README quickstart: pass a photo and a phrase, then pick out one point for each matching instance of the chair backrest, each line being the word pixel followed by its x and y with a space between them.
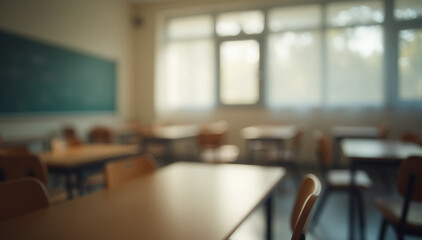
pixel 296 141
pixel 383 131
pixel 411 168
pixel 69 134
pixel 411 137
pixel 212 135
pixel 21 196
pixel 18 150
pixel 100 134
pixel 308 193
pixel 120 172
pixel 323 149
pixel 16 166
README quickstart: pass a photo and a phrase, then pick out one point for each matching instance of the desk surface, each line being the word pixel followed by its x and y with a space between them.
pixel 270 132
pixel 86 154
pixel 372 149
pixel 172 132
pixel 186 201
pixel 354 132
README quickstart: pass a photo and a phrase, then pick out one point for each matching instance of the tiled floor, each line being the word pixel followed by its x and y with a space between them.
pixel 333 221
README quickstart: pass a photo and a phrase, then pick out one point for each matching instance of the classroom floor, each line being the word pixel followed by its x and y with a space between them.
pixel 333 222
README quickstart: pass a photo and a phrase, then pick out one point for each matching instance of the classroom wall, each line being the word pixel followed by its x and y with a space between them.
pixel 147 70
pixel 99 27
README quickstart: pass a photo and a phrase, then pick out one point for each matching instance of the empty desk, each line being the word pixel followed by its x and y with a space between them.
pixel 182 201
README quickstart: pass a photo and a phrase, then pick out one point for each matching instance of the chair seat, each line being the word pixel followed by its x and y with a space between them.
pixel 222 154
pixel 341 179
pixel 391 210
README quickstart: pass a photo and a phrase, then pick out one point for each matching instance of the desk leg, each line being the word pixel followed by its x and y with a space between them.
pixel 336 152
pixel 352 202
pixel 69 185
pixel 249 152
pixel 269 213
pixel 80 182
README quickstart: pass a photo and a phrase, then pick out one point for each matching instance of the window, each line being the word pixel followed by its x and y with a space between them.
pixel 410 62
pixel 189 80
pixel 354 53
pixel 312 55
pixel 239 52
pixel 408 9
pixel 232 24
pixel 410 50
pixel 294 56
pixel 239 72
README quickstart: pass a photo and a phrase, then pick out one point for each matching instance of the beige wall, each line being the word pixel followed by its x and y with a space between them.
pixel 146 70
pixel 99 27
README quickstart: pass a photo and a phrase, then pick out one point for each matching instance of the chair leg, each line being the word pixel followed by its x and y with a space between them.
pixel 362 216
pixel 319 207
pixel 297 175
pixel 383 229
pixel 385 179
pixel 399 232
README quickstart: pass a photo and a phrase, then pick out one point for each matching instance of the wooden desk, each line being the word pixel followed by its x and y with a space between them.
pixel 267 133
pixel 82 159
pixel 26 141
pixel 339 133
pixel 166 135
pixel 377 153
pixel 182 201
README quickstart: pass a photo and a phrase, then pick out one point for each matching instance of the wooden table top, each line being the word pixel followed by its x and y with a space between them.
pixel 183 201
pixel 373 149
pixel 354 132
pixel 85 154
pixel 171 132
pixel 269 132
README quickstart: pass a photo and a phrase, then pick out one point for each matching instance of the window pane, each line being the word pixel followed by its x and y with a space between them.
pixel 350 13
pixel 231 24
pixel 408 9
pixel 294 69
pixel 355 65
pixel 190 27
pixel 239 69
pixel 189 76
pixel 410 63
pixel 289 18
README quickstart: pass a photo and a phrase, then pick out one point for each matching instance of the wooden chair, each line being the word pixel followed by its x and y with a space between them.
pixel 287 157
pixel 69 134
pixel 120 172
pixel 383 131
pixel 411 137
pixel 405 216
pixel 21 196
pixel 308 193
pixel 20 150
pixel 100 134
pixel 338 179
pixel 18 166
pixel 211 143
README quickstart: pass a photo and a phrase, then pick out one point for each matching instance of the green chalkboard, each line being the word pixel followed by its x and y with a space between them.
pixel 37 77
